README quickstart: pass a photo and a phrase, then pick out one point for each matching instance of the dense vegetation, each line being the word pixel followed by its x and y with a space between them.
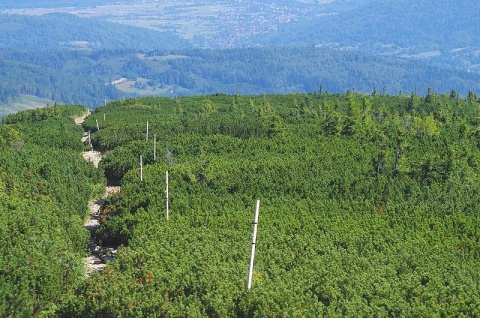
pixel 13 4
pixel 85 77
pixel 368 207
pixel 45 185
pixel 47 32
pixel 18 78
pixel 398 28
pixel 37 56
pixel 439 32
pixel 369 202
pixel 289 69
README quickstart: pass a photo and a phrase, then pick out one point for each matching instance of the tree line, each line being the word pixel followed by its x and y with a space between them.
pixel 86 77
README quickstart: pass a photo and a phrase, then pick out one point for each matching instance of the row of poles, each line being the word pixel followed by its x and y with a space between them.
pixel 255 224
pixel 255 218
pixel 141 160
pixel 155 159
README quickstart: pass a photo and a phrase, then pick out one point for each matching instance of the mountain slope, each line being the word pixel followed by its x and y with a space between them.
pixel 281 70
pixel 48 32
pixel 85 77
pixel 444 30
pixel 18 78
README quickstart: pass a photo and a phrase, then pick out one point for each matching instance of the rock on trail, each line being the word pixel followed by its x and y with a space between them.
pixel 93 156
pixel 99 255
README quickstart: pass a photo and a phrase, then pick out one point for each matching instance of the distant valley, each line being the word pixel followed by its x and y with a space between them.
pixel 246 47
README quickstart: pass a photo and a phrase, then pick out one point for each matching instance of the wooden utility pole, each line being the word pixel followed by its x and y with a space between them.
pixel 254 241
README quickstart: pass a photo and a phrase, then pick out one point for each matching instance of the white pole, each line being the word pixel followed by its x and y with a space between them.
pixel 141 169
pixel 166 192
pixel 146 138
pixel 103 116
pixel 154 147
pixel 254 241
pixel 98 127
pixel 90 140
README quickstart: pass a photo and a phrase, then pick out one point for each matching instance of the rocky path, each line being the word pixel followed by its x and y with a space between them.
pixel 93 156
pixel 98 255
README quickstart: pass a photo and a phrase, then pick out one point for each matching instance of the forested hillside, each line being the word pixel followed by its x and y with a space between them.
pixel 17 78
pixel 45 185
pixel 154 55
pixel 367 166
pixel 10 4
pixel 368 206
pixel 86 77
pixel 438 32
pixel 47 32
pixel 289 69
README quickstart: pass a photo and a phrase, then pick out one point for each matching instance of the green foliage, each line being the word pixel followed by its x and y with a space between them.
pixel 45 185
pixel 9 136
pixel 368 207
pixel 402 28
pixel 36 115
pixel 86 77
pixel 47 32
pixel 31 74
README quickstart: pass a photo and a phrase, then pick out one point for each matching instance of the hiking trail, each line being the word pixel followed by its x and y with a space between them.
pixel 99 255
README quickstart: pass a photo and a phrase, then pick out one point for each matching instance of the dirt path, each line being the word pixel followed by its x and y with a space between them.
pixel 81 119
pixel 93 156
pixel 99 255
